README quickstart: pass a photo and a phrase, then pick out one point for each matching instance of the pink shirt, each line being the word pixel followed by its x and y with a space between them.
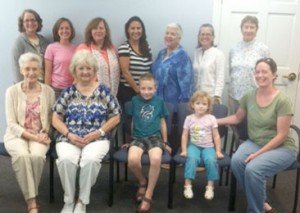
pixel 33 122
pixel 61 57
pixel 201 129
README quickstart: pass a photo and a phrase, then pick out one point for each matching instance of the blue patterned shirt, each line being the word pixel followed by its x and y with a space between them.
pixel 85 114
pixel 174 76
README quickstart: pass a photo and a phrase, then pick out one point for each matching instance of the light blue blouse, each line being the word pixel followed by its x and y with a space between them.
pixel 174 76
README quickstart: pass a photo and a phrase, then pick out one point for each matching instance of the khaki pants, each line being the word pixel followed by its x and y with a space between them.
pixel 28 159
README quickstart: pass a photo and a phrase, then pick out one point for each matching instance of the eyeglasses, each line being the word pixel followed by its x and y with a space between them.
pixel 29 21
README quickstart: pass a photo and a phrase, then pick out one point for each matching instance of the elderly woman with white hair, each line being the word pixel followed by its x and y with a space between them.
pixel 28 115
pixel 173 72
pixel 84 113
pixel 173 69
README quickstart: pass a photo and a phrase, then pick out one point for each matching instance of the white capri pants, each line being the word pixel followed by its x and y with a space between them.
pixel 88 159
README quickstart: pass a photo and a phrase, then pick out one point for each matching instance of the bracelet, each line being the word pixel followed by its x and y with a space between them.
pixel 67 134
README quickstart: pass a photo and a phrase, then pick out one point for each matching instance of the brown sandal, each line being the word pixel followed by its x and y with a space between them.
pixel 32 208
pixel 139 195
pixel 147 200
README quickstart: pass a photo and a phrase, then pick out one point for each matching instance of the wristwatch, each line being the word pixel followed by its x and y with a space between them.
pixel 102 133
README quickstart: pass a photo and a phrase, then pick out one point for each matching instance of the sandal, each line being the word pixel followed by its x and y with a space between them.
pixel 188 192
pixel 32 208
pixel 139 195
pixel 146 200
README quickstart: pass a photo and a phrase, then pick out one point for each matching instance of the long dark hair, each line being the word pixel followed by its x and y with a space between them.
pixel 143 44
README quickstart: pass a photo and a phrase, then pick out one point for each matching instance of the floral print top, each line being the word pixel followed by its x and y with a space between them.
pixel 242 59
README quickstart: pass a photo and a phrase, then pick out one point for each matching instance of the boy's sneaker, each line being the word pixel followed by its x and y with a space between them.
pixel 209 193
pixel 188 192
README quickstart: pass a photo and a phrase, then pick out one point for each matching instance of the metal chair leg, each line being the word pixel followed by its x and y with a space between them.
pixel 51 179
pixel 232 193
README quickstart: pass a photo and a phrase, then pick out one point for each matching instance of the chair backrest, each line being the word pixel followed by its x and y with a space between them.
pixel 219 111
pixel 127 108
pixel 296 135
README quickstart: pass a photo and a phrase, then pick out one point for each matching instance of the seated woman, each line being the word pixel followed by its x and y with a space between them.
pixel 28 112
pixel 269 149
pixel 84 113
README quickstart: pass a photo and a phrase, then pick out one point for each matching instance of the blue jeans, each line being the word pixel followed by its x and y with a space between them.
pixel 197 154
pixel 252 176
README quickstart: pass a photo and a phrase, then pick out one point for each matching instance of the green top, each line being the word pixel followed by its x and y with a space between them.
pixel 262 121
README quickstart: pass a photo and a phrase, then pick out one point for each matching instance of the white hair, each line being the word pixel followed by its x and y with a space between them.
pixel 30 57
pixel 177 27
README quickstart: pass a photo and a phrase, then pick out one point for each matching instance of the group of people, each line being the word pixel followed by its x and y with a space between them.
pixel 87 86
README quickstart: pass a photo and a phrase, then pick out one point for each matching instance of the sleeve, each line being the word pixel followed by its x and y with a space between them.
pixel 18 50
pixel 220 74
pixel 195 71
pixel 187 122
pixel 113 104
pixel 265 51
pixel 51 100
pixel 60 105
pixel 214 122
pixel 11 112
pixel 184 76
pixel 284 106
pixel 131 110
pixel 49 53
pixel 244 100
pixel 164 110
pixel 123 50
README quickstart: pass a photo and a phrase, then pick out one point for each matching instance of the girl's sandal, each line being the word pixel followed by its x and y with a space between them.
pixel 147 200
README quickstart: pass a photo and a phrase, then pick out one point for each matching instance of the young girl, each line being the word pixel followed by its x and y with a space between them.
pixel 201 130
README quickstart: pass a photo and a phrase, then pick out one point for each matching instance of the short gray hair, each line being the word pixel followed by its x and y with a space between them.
pixel 177 27
pixel 83 57
pixel 30 57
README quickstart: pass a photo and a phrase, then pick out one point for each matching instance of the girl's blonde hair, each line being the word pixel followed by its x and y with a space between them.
pixel 200 95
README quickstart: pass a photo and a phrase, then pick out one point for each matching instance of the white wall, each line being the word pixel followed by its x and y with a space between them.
pixel 156 14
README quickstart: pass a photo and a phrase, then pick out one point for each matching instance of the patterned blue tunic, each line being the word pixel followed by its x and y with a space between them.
pixel 85 114
pixel 174 76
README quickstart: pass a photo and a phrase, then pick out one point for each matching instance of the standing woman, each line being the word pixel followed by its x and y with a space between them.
pixel 135 59
pixel 29 24
pixel 208 65
pixel 28 114
pixel 98 41
pixel 270 148
pixel 242 59
pixel 173 69
pixel 58 56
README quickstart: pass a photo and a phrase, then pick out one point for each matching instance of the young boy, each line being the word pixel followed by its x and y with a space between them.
pixel 149 134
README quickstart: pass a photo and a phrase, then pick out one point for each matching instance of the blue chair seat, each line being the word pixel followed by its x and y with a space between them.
pixel 122 156
pixel 3 150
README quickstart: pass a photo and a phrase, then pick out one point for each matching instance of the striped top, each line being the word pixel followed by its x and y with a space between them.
pixel 138 65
